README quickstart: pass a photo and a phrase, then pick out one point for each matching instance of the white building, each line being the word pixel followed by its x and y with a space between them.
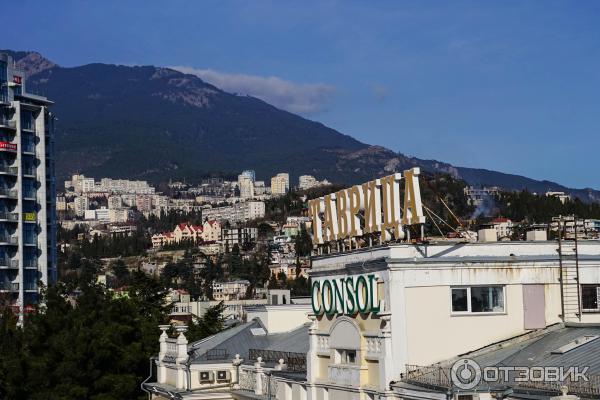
pixel 280 184
pixel 101 215
pixel 478 195
pixel 124 186
pixel 382 318
pixel 87 185
pixel 260 188
pixel 503 226
pixel 562 196
pixel 115 202
pixel 81 204
pixel 306 182
pixel 231 290
pixel 27 191
pixel 239 236
pixel 239 212
pixel 246 186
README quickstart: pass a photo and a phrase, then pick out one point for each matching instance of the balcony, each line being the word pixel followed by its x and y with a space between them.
pixel 7 124
pixel 6 170
pixel 32 264
pixel 28 148
pixel 8 263
pixel 8 193
pixel 29 195
pixel 29 172
pixel 9 217
pixel 9 286
pixel 8 240
pixel 30 127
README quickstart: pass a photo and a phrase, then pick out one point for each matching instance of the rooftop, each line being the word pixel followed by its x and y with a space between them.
pixel 242 338
pixel 556 346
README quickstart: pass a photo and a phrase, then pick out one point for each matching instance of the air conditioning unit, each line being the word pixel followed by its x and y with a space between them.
pixel 206 377
pixel 223 376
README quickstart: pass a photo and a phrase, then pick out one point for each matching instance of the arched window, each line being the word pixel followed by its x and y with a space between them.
pixel 345 339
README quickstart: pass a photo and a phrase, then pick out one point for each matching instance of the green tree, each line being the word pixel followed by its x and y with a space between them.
pixel 120 271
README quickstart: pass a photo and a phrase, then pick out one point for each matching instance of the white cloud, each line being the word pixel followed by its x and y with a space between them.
pixel 300 98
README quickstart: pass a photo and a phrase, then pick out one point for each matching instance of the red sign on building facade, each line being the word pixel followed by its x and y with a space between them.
pixel 8 146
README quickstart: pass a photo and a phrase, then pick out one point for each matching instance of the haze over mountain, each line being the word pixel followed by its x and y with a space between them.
pixel 155 123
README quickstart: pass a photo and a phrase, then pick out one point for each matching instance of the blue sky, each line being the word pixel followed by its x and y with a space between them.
pixel 510 86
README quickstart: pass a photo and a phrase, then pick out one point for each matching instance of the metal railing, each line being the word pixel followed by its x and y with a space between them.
pixel 7 262
pixel 6 123
pixel 6 216
pixel 8 192
pixel 29 172
pixel 9 286
pixel 294 361
pixel 434 376
pixel 217 354
pixel 589 388
pixel 9 240
pixel 9 170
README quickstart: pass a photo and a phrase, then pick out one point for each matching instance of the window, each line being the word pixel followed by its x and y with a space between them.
pixel 478 299
pixel 590 296
pixel 459 300
pixel 347 356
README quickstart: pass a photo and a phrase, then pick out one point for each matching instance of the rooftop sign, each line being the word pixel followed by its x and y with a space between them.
pixel 373 207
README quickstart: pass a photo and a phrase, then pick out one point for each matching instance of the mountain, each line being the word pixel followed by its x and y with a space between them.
pixel 155 123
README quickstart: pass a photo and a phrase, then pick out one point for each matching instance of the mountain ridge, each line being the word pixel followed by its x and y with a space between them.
pixel 154 123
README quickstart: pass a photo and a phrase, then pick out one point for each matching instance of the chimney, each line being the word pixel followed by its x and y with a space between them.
pixel 537 233
pixel 487 234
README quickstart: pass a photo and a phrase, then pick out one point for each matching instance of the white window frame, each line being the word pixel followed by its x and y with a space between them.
pixel 343 356
pixel 591 310
pixel 469 307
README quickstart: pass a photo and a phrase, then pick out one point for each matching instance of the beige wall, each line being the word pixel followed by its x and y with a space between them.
pixel 429 317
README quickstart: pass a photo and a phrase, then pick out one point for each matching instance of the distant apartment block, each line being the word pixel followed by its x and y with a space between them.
pixel 232 290
pixel 309 182
pixel 562 196
pixel 260 188
pixel 81 184
pixel 476 196
pixel 239 212
pixel 115 202
pixel 280 184
pixel 80 204
pixel 246 186
pixel 27 192
pixel 239 236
